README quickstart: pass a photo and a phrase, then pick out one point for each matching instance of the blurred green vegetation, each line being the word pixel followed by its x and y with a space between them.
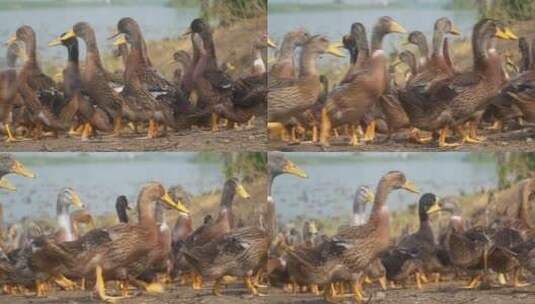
pixel 499 9
pixel 508 9
pixel 514 167
pixel 248 165
pixel 225 11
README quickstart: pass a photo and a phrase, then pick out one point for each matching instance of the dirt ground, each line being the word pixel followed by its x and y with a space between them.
pixel 236 294
pixel 253 139
pixel 520 140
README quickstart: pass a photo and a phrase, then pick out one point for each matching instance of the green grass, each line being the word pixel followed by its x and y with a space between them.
pixel 296 7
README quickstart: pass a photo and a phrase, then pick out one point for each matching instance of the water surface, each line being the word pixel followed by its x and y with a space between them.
pixel 330 188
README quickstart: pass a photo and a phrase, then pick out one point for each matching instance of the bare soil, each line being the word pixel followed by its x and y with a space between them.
pixel 519 141
pixel 443 293
pixel 253 139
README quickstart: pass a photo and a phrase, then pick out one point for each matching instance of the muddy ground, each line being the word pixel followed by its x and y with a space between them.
pixel 519 140
pixel 245 139
pixel 235 294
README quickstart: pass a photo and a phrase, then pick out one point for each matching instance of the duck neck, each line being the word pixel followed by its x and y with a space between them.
pixel 31 52
pixel 425 223
pixel 363 53
pixel 123 52
pixel 359 213
pixel 226 202
pixel 378 36
pixel 64 219
pixel 438 41
pixel 308 64
pixel 122 215
pixel 92 57
pixel 146 210
pixel 379 217
pixel 259 67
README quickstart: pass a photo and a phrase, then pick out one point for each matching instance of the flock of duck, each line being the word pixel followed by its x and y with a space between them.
pixel 90 99
pixel 435 96
pixel 142 254
pixel 362 253
pixel 148 254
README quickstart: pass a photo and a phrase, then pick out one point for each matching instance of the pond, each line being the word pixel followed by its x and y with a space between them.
pixel 334 178
pixel 100 177
pixel 156 20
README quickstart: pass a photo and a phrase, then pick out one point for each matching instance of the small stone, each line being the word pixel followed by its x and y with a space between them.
pixel 380 295
pixel 529 139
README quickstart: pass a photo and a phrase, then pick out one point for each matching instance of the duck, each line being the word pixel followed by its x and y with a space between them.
pixel 224 222
pixel 345 255
pixel 9 165
pixel 122 207
pixel 420 245
pixel 95 79
pixel 249 93
pixel 9 89
pixel 455 100
pixel 66 231
pixel 91 116
pixel 42 98
pixel 119 252
pixel 467 249
pixel 519 90
pixel 344 106
pixel 241 253
pixel 149 95
pixel 289 99
pixel 211 84
pixel 285 68
pixel 435 67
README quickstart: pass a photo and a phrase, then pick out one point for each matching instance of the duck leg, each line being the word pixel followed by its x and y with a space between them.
pixel 151 288
pixel 473 132
pixel 467 135
pixel 87 131
pixel 329 294
pixel 9 138
pixel 39 288
pixel 354 137
pixel 314 289
pixel 474 283
pixel 100 287
pixel 415 136
pixel 64 283
pixel 369 135
pixel 314 134
pixel 382 282
pixel 248 280
pixel 516 279
pixel 355 289
pixel 418 280
pixel 325 128
pixel 442 139
pixel 215 122
pixel 216 291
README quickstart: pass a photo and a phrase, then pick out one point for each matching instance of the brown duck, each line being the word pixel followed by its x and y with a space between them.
pixel 349 102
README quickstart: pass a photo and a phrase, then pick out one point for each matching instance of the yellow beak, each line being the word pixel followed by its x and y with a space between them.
pixel 19 169
pixel 55 42
pixel 166 198
pixel 334 50
pixel 396 28
pixel 11 40
pixel 370 197
pixel 114 34
pixel 292 169
pixel 435 208
pixel 76 201
pixel 271 44
pixel 5 184
pixel 454 30
pixel 410 187
pixel 67 35
pixel 500 34
pixel 120 40
pixel 510 34
pixel 240 190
